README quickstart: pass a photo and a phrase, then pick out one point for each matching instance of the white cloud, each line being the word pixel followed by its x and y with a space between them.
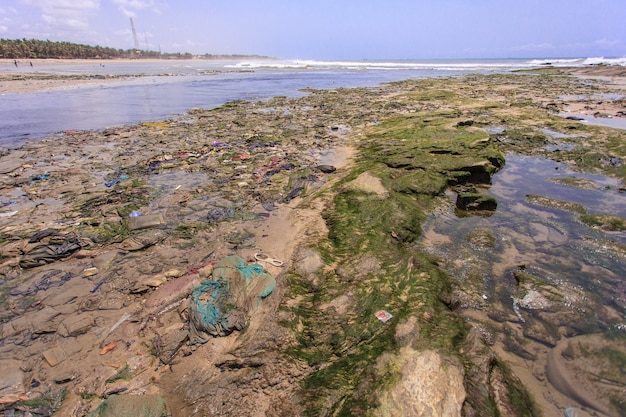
pixel 65 15
pixel 4 29
pixel 10 10
pixel 534 47
pixel 64 7
pixel 130 7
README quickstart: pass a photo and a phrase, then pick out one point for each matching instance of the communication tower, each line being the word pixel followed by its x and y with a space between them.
pixel 132 26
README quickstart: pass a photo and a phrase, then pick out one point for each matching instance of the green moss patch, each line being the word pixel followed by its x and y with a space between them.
pixel 554 203
pixel 605 222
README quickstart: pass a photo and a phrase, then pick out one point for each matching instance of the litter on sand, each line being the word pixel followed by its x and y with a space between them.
pixel 383 316
pixel 264 258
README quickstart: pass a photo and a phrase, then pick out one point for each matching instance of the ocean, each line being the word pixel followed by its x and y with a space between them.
pixel 170 88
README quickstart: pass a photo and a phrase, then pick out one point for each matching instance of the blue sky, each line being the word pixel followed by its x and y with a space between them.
pixel 332 29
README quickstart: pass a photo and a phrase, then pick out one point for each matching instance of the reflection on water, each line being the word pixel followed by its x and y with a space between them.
pixel 533 277
pixel 614 122
pixel 39 114
pixel 554 134
pixel 168 88
pixel 550 242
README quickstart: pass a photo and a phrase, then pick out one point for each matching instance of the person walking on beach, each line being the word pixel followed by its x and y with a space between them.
pixel 15 62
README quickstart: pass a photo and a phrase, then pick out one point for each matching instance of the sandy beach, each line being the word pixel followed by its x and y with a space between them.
pixel 105 233
pixel 27 79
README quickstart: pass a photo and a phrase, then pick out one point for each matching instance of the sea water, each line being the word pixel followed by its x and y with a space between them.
pixel 167 88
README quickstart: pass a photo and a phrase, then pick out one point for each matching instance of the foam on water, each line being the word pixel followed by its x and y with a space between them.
pixel 579 62
pixel 429 65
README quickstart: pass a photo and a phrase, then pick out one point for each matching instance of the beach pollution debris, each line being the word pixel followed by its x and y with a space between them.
pixel 237 259
pixel 383 316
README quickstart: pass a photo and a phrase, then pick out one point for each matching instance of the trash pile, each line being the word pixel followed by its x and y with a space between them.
pixel 104 235
pixel 219 306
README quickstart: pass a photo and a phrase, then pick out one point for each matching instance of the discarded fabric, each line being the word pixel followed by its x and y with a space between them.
pixel 51 252
pixel 223 304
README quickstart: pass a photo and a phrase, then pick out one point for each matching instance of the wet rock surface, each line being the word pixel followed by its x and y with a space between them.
pixel 104 236
pixel 430 385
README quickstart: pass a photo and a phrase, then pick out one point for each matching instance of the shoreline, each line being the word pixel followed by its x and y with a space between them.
pixel 261 159
pixel 27 79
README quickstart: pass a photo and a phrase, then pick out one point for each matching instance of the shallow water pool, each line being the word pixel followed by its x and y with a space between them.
pixel 550 242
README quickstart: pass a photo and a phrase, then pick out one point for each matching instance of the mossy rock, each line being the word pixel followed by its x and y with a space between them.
pixel 476 202
pixel 554 203
pixel 482 238
pixel 420 182
pixel 604 222
pixel 132 405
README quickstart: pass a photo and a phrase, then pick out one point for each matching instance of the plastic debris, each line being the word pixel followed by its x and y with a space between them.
pixel 142 241
pixel 146 221
pixel 90 272
pixel 97 287
pixel 326 169
pixel 112 182
pixel 240 157
pixel 264 258
pixel 295 192
pixel 40 177
pixel 117 324
pixel 217 214
pixel 383 316
pixel 108 348
pixel 53 279
pixel 155 124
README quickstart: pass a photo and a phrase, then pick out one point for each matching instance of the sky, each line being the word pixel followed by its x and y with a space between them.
pixel 332 29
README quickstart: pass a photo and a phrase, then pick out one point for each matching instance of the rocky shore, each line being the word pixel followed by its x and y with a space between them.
pixel 106 235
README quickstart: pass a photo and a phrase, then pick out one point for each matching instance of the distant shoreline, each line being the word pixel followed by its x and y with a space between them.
pixel 24 63
pixel 28 79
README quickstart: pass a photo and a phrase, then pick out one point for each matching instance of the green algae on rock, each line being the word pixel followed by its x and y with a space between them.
pixel 320 349
pixel 554 203
pixel 604 222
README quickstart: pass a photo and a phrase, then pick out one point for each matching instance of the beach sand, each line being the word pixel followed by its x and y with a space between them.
pixel 27 79
pixel 81 188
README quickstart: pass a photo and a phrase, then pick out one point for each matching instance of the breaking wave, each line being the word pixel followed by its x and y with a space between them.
pixel 579 62
pixel 425 65
pixel 402 65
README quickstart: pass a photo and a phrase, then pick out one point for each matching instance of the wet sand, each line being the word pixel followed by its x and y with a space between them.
pixel 27 79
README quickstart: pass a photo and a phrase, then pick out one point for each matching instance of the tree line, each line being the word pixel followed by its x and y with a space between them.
pixel 35 48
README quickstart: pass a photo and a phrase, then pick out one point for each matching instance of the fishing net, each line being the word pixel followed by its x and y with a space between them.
pixel 220 305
